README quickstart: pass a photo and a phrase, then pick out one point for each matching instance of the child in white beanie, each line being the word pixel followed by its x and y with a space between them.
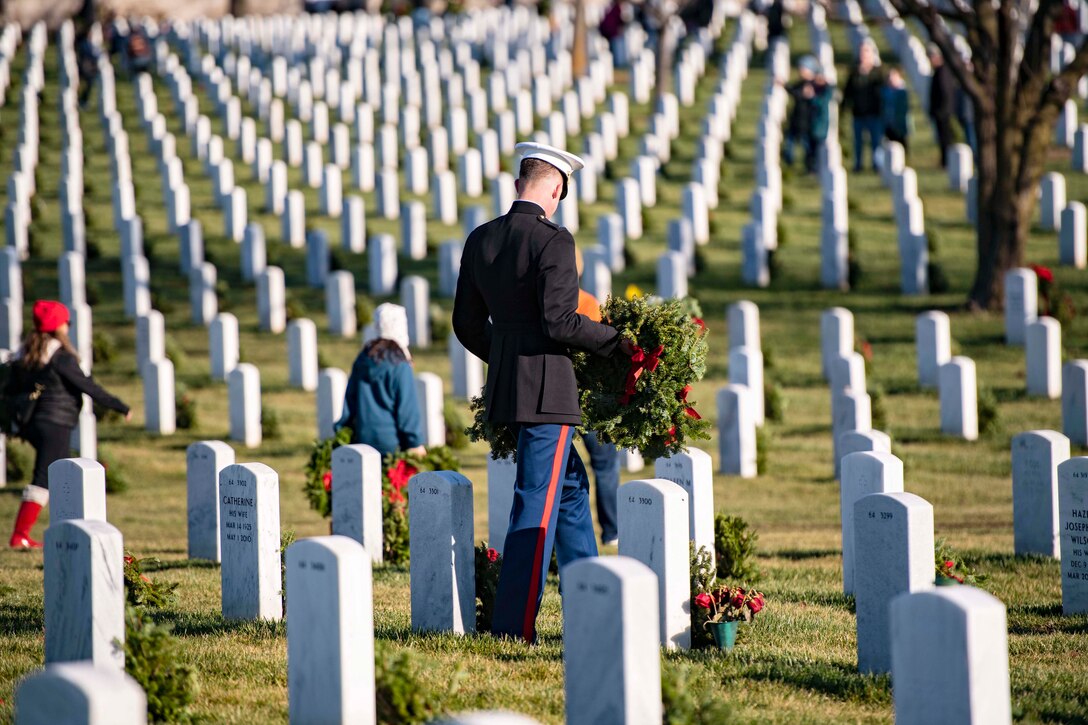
pixel 380 405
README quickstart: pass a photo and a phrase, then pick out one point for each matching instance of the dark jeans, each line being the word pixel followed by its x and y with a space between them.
pixel 51 443
pixel 604 459
pixel 943 125
pixel 874 127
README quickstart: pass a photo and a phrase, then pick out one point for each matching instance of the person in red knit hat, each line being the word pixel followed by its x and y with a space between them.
pixel 47 358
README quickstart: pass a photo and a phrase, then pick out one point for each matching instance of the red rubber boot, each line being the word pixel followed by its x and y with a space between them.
pixel 24 521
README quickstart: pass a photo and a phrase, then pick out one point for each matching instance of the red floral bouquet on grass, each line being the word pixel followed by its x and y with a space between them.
pixel 1053 302
pixel 729 604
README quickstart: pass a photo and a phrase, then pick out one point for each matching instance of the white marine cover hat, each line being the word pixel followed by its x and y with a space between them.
pixel 566 162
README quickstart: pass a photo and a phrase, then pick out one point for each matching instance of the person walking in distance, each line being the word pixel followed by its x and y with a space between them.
pixel 942 100
pixel 519 271
pixel 48 361
pixel 862 96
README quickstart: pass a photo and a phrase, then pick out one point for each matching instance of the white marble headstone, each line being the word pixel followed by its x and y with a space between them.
pixel 205 460
pixel 441 543
pixel 249 517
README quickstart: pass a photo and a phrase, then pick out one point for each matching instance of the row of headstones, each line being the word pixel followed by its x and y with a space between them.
pixel 1069 220
pixel 85 553
pixel 909 212
pixel 892 529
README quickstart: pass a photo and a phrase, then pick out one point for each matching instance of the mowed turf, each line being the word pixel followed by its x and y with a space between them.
pixel 797 662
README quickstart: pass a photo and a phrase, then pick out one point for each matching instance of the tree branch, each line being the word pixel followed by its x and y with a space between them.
pixel 939 34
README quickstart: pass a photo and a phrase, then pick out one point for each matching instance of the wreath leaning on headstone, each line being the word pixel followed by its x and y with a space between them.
pixel 397 469
pixel 640 401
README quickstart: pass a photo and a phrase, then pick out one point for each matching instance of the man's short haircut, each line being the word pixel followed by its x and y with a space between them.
pixel 533 170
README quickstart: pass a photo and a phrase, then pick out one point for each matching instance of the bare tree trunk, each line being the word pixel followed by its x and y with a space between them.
pixel 666 47
pixel 579 60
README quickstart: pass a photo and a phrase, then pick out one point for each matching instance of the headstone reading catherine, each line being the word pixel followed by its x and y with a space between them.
pixel 653 529
pixel 893 540
pixel 77 490
pixel 863 473
pixel 80 692
pixel 249 517
pixel 1073 531
pixel 693 471
pixel 205 460
pixel 610 605
pixel 950 657
pixel 330 630
pixel 441 541
pixel 84 593
pixel 357 496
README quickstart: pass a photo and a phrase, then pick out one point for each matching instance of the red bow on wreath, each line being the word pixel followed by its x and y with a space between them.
pixel 640 360
pixel 398 479
pixel 689 410
pixel 692 413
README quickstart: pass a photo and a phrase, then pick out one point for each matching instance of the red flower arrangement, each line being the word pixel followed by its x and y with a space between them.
pixel 1053 302
pixel 326 481
pixel 730 604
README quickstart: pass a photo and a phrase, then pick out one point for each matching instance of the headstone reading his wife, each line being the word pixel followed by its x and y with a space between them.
pixel 249 516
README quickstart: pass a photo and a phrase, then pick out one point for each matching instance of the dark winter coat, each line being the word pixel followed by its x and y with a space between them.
pixel 381 405
pixel 862 93
pixel 65 385
pixel 519 271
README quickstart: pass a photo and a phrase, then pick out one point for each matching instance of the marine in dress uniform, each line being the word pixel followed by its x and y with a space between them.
pixel 519 271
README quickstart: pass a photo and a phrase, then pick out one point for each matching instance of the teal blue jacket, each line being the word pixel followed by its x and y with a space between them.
pixel 381 405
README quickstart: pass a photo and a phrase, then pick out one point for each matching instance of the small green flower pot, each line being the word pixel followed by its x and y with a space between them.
pixel 946 581
pixel 725 634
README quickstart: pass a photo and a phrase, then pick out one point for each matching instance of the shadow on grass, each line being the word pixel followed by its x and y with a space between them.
pixel 180 564
pixel 204 624
pixel 16 619
pixel 832 600
pixel 834 680
pixel 803 554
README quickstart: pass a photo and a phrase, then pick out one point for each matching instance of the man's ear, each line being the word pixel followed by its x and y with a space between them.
pixel 517 185
pixel 558 190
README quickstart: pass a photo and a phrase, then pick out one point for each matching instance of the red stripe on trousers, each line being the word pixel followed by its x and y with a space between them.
pixel 534 583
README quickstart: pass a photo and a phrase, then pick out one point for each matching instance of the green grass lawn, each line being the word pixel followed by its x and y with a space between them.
pixel 797 662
